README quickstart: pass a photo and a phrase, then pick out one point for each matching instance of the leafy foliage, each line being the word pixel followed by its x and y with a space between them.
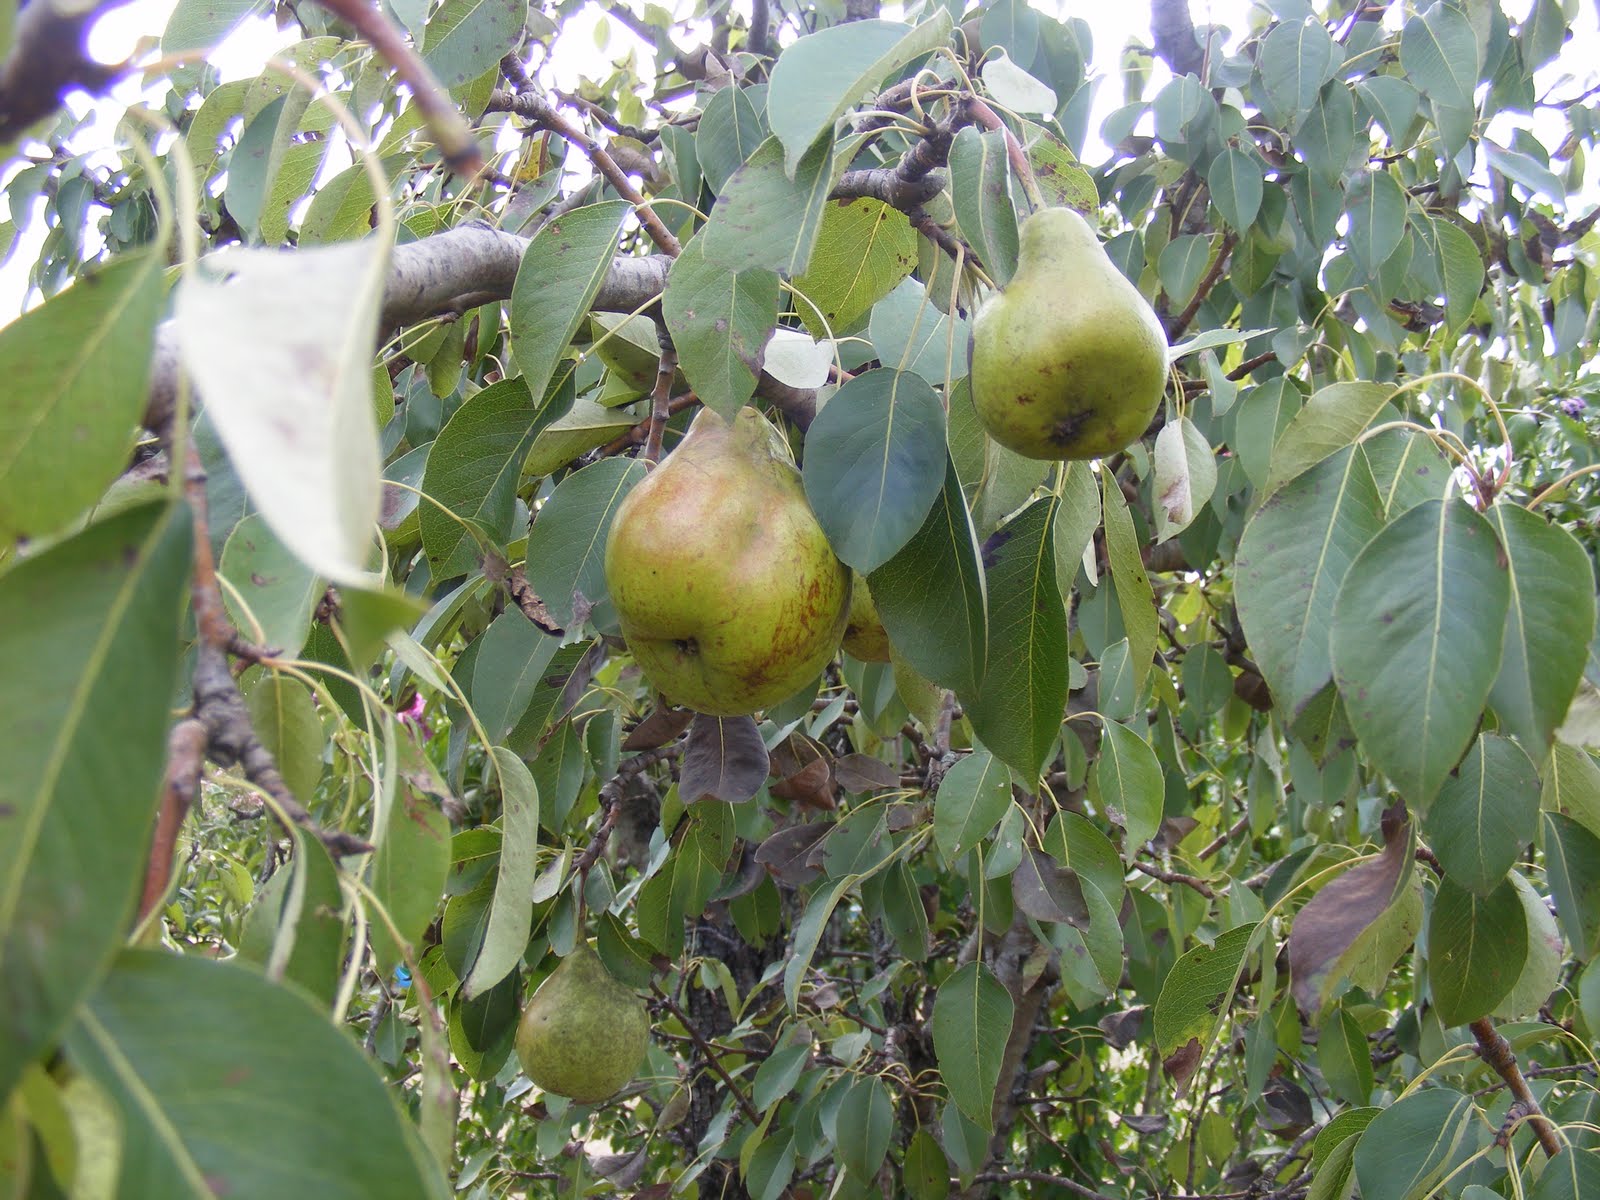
pixel 1225 822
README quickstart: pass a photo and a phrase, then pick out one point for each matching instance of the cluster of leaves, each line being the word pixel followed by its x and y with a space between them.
pixel 1222 795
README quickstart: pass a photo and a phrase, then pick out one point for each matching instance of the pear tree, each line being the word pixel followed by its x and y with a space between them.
pixel 811 601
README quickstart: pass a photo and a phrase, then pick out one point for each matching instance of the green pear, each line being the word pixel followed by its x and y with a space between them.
pixel 725 587
pixel 864 635
pixel 583 1035
pixel 1069 361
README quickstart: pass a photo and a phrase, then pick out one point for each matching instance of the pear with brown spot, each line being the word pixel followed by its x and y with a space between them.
pixel 729 596
pixel 583 1035
pixel 1069 361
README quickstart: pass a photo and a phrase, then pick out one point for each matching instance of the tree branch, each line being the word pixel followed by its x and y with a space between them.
pixel 1496 1051
pixel 1176 42
pixel 48 59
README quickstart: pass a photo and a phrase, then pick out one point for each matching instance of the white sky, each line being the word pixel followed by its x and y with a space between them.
pixel 575 55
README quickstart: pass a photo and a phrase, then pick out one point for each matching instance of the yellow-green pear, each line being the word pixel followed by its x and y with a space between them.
pixel 864 635
pixel 1069 361
pixel 725 587
pixel 583 1035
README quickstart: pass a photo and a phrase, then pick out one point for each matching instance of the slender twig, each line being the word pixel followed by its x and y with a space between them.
pixel 1189 881
pixel 710 1054
pixel 450 131
pixel 534 107
pixel 1496 1051
pixel 186 752
pixel 661 399
pixel 637 435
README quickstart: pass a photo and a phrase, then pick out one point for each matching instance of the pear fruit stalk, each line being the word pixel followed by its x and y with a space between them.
pixel 583 1035
pixel 728 594
pixel 1069 361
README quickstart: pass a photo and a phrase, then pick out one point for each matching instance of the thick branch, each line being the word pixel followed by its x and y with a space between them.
pixel 1497 1052
pixel 48 59
pixel 1174 33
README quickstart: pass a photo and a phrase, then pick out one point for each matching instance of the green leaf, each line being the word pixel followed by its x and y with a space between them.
pixel 473 471
pixel 719 323
pixel 1327 135
pixel 408 872
pixel 1541 973
pixel 89 636
pixel 1236 186
pixel 1182 265
pixel 1292 559
pixel 1439 52
pixel 1548 625
pixel 1463 270
pixel 1131 785
pixel 766 219
pixel 1017 709
pixel 980 189
pixel 1393 102
pixel 926 1172
pixel 557 281
pixel 1485 813
pixel 295 930
pixel 1569 1176
pixel 1081 846
pixel 567 542
pixel 874 465
pixel 77 372
pixel 821 76
pixel 910 334
pixel 285 719
pixel 511 916
pixel 1135 597
pixel 1344 1057
pixel 513 654
pixel 1296 59
pixel 1417 633
pixel 730 129
pixel 1572 786
pixel 808 933
pixel 864 249
pixel 1376 206
pixel 1476 948
pixel 1572 858
pixel 1411 1144
pixel 270 593
pixel 931 596
pixel 866 1123
pixel 972 797
pixel 1259 419
pixel 971 1024
pixel 280 1104
pixel 467 37
pixel 1331 420
pixel 1198 988
pixel 1408 469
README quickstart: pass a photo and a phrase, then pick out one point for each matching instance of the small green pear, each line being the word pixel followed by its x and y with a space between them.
pixel 729 596
pixel 1069 361
pixel 583 1035
pixel 864 635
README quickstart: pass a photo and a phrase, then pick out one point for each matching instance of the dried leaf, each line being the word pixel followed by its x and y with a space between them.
pixel 1332 920
pixel 1047 891
pixel 857 773
pixel 786 853
pixel 812 785
pixel 725 759
pixel 661 726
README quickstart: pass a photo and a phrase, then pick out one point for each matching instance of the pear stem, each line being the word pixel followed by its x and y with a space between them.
pixel 661 398
pixel 983 115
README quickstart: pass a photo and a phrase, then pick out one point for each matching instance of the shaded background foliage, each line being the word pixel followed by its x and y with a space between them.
pixel 1225 824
